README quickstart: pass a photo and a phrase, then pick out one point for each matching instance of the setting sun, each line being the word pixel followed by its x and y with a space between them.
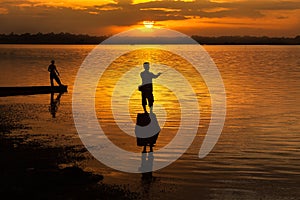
pixel 148 24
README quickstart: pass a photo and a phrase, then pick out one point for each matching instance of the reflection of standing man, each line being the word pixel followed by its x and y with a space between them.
pixel 54 74
pixel 54 103
pixel 147 88
pixel 147 167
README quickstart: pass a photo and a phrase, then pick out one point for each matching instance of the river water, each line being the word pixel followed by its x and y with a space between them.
pixel 257 155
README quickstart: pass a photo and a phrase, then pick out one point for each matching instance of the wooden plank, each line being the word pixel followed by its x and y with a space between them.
pixel 31 90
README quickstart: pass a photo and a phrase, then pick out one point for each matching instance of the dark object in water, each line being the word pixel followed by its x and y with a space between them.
pixel 146 129
pixel 31 90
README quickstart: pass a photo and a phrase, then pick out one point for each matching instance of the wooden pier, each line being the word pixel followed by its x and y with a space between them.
pixel 31 90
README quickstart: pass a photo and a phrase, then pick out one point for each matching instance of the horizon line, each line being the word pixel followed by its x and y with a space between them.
pixel 109 35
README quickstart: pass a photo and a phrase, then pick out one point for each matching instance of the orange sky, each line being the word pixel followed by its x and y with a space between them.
pixel 192 17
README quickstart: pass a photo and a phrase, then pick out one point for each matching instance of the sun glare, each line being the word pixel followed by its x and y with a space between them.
pixel 148 24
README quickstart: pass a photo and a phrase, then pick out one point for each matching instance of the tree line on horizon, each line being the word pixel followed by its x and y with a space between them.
pixel 68 38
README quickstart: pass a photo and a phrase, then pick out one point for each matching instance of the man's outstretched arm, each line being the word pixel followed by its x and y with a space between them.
pixel 157 75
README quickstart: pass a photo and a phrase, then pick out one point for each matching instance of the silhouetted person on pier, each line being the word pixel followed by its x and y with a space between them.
pixel 54 74
pixel 147 88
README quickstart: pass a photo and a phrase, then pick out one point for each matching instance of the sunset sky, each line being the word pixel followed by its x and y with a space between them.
pixel 192 17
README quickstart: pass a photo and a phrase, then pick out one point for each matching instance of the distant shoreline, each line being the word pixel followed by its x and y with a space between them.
pixel 79 39
pixel 158 44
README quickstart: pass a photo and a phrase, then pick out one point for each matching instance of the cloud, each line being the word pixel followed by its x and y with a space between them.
pixel 3 11
pixel 282 17
pixel 79 17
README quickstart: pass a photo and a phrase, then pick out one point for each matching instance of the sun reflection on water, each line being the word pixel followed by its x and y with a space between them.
pixel 163 96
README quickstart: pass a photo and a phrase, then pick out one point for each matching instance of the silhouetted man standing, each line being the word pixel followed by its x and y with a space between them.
pixel 54 74
pixel 147 88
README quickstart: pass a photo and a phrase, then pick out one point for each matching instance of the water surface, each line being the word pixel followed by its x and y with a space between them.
pixel 257 155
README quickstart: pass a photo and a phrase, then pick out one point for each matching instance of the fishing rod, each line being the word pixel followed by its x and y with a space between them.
pixel 165 70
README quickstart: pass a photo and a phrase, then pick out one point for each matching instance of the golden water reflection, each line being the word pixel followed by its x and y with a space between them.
pixel 162 95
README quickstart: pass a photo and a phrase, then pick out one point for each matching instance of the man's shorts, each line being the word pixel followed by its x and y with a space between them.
pixel 147 95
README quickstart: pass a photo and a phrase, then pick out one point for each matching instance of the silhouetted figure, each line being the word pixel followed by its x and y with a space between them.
pixel 54 103
pixel 54 74
pixel 147 88
pixel 146 130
